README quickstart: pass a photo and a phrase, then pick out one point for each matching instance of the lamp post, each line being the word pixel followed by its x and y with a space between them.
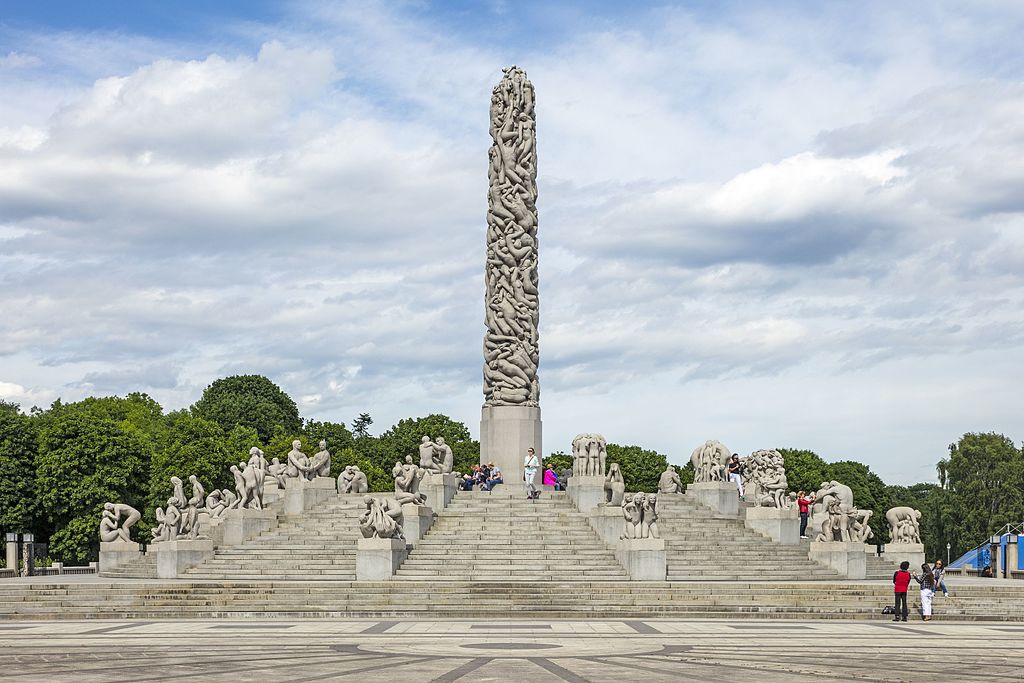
pixel 948 546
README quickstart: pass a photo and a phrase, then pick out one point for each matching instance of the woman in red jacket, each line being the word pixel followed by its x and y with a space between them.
pixel 900 582
pixel 805 508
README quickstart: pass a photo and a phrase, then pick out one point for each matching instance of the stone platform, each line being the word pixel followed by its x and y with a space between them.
pixel 503 648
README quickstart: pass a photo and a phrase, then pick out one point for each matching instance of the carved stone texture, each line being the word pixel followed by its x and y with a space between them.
pixel 382 518
pixel 168 521
pixel 277 470
pixel 430 455
pixel 765 473
pixel 614 486
pixel 298 463
pixel 117 521
pixel 836 516
pixel 589 454
pixel 640 510
pixel 407 483
pixel 669 481
pixel 320 464
pixel 904 525
pixel 512 312
pixel 709 462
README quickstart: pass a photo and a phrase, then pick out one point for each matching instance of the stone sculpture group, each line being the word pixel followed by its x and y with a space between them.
pixel 407 482
pixel 382 518
pixel 512 313
pixel 765 474
pixel 352 480
pixel 116 522
pixel 300 466
pixel 436 456
pixel 641 515
pixel 669 481
pixel 904 525
pixel 709 462
pixel 836 516
pixel 614 485
pixel 589 454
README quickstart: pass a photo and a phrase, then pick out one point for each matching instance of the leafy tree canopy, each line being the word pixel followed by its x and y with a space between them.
pixel 19 445
pixel 192 446
pixel 641 468
pixel 251 401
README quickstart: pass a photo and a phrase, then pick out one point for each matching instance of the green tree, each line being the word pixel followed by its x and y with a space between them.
pixel 335 433
pixel 404 438
pixel 84 462
pixel 984 480
pixel 361 426
pixel 559 460
pixel 249 400
pixel 641 468
pixel 192 446
pixel 240 440
pixel 869 493
pixel 928 498
pixel 19 445
pixel 805 470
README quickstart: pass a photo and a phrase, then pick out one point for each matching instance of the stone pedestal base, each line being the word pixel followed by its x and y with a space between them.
pixel 608 522
pixel 779 524
pixel 174 557
pixel 12 555
pixel 240 525
pixel 417 520
pixel 439 489
pixel 300 495
pixel 586 493
pixel 720 496
pixel 378 558
pixel 505 434
pixel 213 528
pixel 910 552
pixel 848 559
pixel 117 553
pixel 271 492
pixel 644 558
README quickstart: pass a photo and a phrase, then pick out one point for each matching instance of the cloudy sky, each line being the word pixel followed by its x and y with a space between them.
pixel 774 224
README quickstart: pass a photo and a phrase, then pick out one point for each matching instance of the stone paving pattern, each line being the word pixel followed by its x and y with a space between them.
pixel 501 650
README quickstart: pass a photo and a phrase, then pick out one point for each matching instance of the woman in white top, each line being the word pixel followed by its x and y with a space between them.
pixel 530 466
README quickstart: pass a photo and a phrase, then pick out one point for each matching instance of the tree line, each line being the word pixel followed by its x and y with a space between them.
pixel 59 465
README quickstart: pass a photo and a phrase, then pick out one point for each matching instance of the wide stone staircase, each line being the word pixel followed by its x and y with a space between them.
pixel 703 545
pixel 503 536
pixel 320 545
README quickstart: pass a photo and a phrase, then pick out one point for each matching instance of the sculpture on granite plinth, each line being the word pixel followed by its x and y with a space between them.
pixel 428 455
pixel 229 498
pixel 614 486
pixel 258 459
pixel 837 517
pixel 320 463
pixel 445 456
pixel 765 472
pixel 359 483
pixel 180 501
pixel 382 518
pixel 641 515
pixel 345 479
pixel 669 481
pixel 190 515
pixel 298 463
pixel 589 454
pixel 709 461
pixel 215 504
pixel 904 525
pixel 407 483
pixel 249 486
pixel 277 470
pixel 649 517
pixel 116 522
pixel 512 312
pixel 168 522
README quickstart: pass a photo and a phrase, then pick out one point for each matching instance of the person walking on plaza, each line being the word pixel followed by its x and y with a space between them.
pixel 900 582
pixel 530 465
pixel 927 581
pixel 805 510
pixel 736 474
pixel 938 571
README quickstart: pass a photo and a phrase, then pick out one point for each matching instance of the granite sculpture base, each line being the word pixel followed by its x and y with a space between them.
pixel 271 492
pixel 644 559
pixel 174 557
pixel 417 520
pixel 782 525
pixel 240 525
pixel 377 559
pixel 300 494
pixel 847 558
pixel 721 496
pixel 439 489
pixel 909 552
pixel 11 554
pixel 586 493
pixel 608 522
pixel 505 434
pixel 117 553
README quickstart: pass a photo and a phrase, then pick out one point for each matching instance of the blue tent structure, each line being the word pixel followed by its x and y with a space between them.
pixel 977 558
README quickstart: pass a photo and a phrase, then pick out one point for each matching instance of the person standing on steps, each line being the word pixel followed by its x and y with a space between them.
pixel 530 465
pixel 900 582
pixel 805 510
pixel 927 581
pixel 736 475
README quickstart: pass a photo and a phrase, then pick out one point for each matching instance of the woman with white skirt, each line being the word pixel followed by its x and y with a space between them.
pixel 927 581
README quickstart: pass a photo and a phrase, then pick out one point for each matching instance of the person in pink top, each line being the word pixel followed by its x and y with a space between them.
pixel 551 479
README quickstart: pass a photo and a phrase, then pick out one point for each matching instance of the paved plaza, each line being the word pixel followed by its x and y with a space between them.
pixel 503 650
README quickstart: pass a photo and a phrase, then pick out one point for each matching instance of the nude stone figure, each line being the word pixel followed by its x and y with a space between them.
pixel 614 486
pixel 669 481
pixel 320 463
pixel 116 522
pixel 298 463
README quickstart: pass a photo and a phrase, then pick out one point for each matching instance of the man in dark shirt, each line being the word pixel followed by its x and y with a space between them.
pixel 900 582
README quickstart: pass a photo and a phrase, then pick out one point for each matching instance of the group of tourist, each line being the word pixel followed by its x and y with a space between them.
pixel 930 579
pixel 486 477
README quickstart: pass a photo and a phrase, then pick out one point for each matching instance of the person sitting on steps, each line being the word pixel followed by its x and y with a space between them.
pixel 551 479
pixel 494 479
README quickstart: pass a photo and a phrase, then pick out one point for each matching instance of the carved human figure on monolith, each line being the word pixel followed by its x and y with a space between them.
pixel 320 463
pixel 428 452
pixel 215 504
pixel 669 481
pixel 407 480
pixel 116 522
pixel 345 479
pixel 709 460
pixel 511 307
pixel 904 525
pixel 589 453
pixel 632 512
pixel 229 498
pixel 359 483
pixel 278 471
pixel 614 486
pixel 445 456
pixel 766 478
pixel 649 517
